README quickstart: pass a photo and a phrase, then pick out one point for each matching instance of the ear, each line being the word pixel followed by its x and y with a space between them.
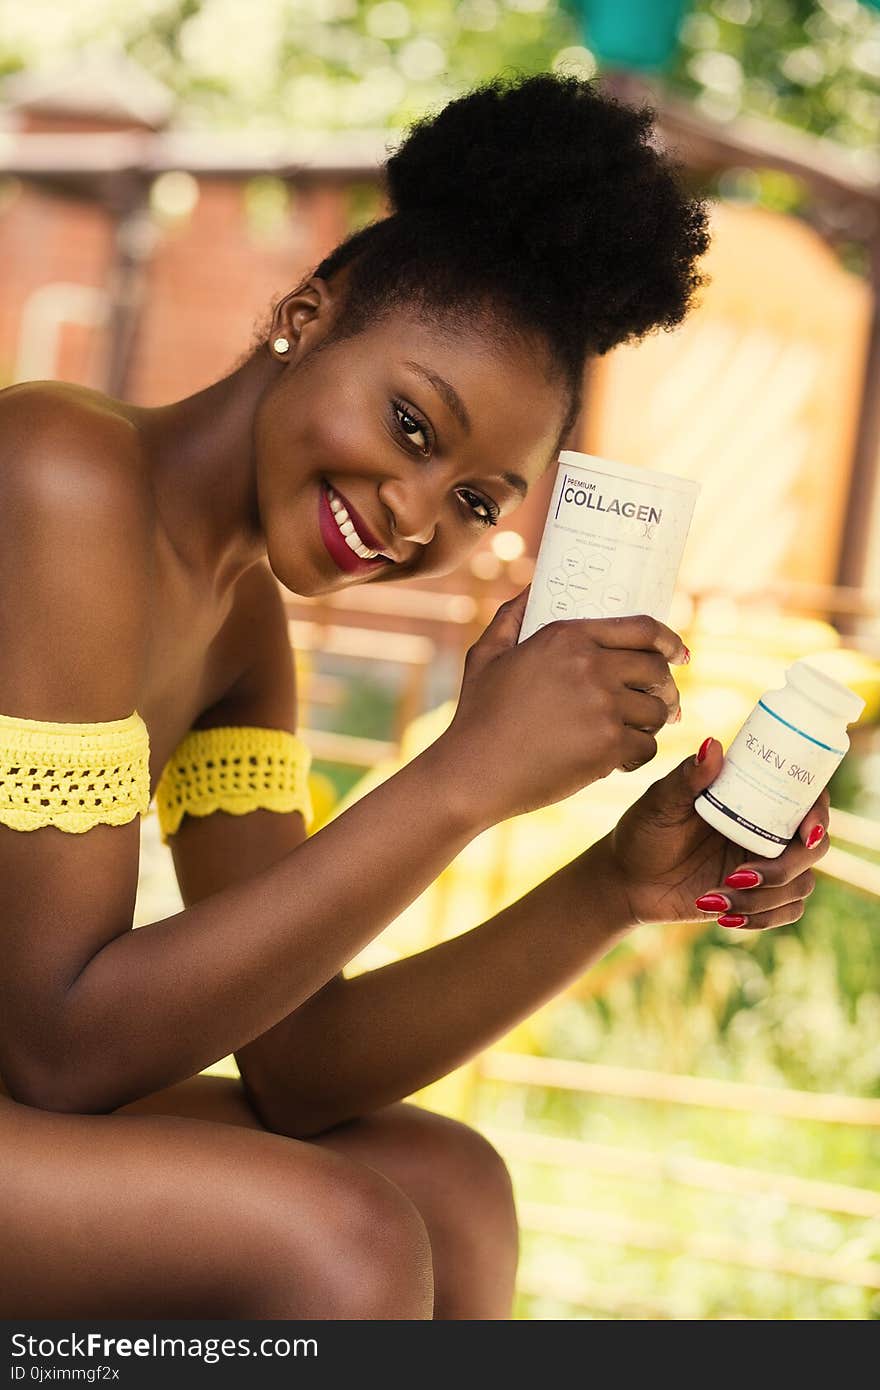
pixel 304 316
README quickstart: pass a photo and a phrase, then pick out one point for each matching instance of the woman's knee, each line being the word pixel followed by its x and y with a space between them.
pixel 364 1255
pixel 454 1175
pixel 463 1192
pixel 471 1170
pixel 384 1269
pixel 471 1215
pixel 484 1167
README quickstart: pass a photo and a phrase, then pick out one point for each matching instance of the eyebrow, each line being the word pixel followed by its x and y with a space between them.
pixel 517 482
pixel 453 400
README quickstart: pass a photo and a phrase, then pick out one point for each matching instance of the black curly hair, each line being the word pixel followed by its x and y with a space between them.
pixel 538 205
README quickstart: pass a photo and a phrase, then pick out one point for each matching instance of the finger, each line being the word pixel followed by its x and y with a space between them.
pixel 638 748
pixel 642 711
pixel 640 670
pixel 638 633
pixel 501 633
pixel 700 769
pixel 793 860
pixel 649 671
pixel 728 900
pixel 761 921
pixel 509 615
pixel 814 825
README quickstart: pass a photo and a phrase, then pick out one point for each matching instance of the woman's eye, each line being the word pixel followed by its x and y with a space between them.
pixel 484 512
pixel 411 425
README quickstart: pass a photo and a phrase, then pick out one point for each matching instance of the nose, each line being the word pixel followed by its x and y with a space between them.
pixel 413 508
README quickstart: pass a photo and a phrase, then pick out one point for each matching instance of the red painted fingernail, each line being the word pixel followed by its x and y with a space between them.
pixel 743 878
pixel 703 750
pixel 687 656
pixel 732 919
pixel 713 902
pixel 815 836
pixel 677 717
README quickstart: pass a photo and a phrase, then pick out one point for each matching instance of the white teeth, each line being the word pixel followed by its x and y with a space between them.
pixel 346 526
pixel 359 549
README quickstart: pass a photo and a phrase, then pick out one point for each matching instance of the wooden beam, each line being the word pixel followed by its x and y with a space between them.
pixel 858 874
pixel 670 1088
pixel 346 749
pixel 683 1170
pixel 645 1235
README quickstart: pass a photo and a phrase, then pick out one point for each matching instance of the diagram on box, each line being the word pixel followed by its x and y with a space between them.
pixel 580 587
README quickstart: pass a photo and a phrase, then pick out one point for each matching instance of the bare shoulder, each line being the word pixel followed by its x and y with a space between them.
pixel 74 549
pixel 49 429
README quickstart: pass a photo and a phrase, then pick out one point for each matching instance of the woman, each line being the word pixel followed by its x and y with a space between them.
pixel 404 397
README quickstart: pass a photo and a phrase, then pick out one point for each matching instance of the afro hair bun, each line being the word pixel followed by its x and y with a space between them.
pixel 544 198
pixel 545 163
pixel 561 180
pixel 529 157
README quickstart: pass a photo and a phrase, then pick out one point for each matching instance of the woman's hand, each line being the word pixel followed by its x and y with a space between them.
pixel 539 720
pixel 670 866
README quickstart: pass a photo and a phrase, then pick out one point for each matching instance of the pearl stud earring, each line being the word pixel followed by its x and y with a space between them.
pixel 281 345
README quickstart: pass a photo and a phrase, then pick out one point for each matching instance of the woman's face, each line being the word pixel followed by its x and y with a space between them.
pixel 365 427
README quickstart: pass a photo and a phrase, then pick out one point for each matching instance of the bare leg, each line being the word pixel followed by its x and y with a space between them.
pixel 451 1174
pixel 462 1190
pixel 165 1216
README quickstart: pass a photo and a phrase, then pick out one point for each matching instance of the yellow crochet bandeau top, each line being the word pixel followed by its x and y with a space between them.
pixel 74 776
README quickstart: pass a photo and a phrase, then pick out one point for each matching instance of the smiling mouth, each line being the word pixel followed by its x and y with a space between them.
pixel 343 542
pixel 348 530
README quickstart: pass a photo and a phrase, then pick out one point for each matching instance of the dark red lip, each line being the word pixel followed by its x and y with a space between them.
pixel 360 525
pixel 342 554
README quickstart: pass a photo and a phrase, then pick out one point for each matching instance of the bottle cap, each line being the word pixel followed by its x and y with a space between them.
pixel 829 694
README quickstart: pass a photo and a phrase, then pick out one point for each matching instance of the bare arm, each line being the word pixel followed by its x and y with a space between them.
pixel 369 1041
pixel 157 1005
pixel 361 1043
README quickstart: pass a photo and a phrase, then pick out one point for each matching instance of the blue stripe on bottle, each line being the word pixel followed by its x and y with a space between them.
pixel 827 746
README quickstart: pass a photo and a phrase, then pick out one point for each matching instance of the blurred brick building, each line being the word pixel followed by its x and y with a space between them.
pixel 195 270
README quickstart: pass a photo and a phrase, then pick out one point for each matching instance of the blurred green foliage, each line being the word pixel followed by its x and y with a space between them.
pixel 811 65
pixel 797 1007
pixel 339 64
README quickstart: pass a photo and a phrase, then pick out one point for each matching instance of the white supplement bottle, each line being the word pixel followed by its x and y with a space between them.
pixel 780 760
